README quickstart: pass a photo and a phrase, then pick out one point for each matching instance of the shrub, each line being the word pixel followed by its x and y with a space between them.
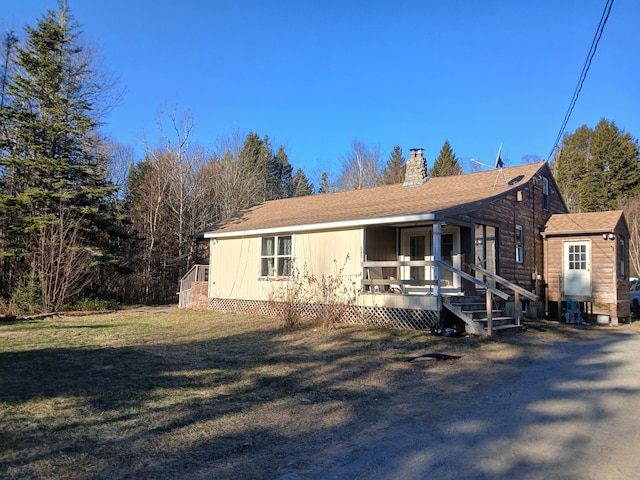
pixel 338 295
pixel 91 304
pixel 28 296
pixel 289 298
pixel 333 294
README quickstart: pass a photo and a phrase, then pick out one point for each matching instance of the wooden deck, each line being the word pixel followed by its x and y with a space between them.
pixel 193 288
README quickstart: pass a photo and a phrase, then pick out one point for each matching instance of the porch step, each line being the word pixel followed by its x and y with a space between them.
pixel 507 329
pixel 497 320
pixel 468 300
pixel 479 314
pixel 474 308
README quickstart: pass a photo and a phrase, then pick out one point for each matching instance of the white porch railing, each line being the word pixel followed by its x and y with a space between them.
pixel 373 277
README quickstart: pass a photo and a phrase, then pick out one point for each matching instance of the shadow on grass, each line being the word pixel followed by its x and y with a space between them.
pixel 167 408
pixel 265 403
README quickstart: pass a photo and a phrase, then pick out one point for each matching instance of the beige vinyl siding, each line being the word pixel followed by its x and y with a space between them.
pixel 235 262
pixel 325 252
pixel 234 269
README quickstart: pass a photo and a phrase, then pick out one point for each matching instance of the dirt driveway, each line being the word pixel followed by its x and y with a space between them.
pixel 572 411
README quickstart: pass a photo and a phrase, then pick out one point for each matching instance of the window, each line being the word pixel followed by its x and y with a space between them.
pixel 578 257
pixel 519 244
pixel 276 256
pixel 621 257
pixel 545 193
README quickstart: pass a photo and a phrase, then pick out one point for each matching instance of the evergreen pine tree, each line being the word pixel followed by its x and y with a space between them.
pixel 256 159
pixel 300 185
pixel 324 183
pixel 597 169
pixel 280 176
pixel 446 163
pixel 52 167
pixel 394 170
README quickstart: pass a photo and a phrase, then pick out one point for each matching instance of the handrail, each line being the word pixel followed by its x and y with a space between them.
pixel 436 282
pixel 423 263
pixel 398 263
pixel 473 279
pixel 197 273
pixel 517 291
pixel 503 281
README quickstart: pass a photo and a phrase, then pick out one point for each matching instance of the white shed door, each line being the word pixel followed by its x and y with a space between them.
pixel 577 269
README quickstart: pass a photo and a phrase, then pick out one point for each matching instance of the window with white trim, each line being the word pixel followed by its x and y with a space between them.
pixel 519 233
pixel 276 256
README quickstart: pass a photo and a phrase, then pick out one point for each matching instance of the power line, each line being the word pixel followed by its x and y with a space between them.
pixel 585 69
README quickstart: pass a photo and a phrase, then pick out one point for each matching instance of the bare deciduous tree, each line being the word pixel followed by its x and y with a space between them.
pixel 632 214
pixel 236 181
pixel 179 164
pixel 360 167
pixel 63 260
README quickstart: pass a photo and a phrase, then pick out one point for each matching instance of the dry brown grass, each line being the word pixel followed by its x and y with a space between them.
pixel 200 395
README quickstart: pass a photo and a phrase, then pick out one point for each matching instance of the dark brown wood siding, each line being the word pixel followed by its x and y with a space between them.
pixel 524 207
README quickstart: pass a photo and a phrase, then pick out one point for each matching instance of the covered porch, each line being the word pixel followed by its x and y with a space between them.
pixel 441 267
pixel 408 259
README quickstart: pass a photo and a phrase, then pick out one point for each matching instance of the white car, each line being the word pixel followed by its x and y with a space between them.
pixel 634 286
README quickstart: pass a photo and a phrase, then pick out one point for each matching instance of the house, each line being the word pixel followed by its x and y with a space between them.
pixel 586 267
pixel 417 252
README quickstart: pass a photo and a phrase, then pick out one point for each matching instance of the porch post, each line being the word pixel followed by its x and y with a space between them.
pixel 437 243
pixel 489 306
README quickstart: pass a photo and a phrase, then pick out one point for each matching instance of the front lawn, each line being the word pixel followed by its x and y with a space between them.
pixel 182 394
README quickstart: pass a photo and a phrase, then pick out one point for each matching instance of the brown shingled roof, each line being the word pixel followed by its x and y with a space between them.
pixel 592 222
pixel 438 194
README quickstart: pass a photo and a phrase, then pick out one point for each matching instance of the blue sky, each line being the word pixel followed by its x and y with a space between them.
pixel 315 75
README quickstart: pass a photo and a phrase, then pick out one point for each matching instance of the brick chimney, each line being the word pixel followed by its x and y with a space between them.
pixel 416 169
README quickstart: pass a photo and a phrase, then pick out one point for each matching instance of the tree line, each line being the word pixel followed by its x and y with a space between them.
pixel 80 218
pixel 84 223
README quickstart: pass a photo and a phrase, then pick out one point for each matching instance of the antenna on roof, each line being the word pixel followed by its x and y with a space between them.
pixel 500 166
pixel 478 162
pixel 499 162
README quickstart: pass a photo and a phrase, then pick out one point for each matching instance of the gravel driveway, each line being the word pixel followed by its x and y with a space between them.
pixel 573 412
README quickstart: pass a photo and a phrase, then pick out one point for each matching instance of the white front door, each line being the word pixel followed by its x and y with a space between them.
pixel 577 269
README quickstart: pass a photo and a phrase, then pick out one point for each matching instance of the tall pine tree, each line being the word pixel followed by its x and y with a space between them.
pixel 597 169
pixel 52 170
pixel 446 163
pixel 279 176
pixel 394 170
pixel 324 187
pixel 300 185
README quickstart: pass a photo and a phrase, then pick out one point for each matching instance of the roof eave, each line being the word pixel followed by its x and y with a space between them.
pixel 422 217
pixel 594 231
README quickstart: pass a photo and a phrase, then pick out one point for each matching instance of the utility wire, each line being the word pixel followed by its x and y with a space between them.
pixel 585 69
